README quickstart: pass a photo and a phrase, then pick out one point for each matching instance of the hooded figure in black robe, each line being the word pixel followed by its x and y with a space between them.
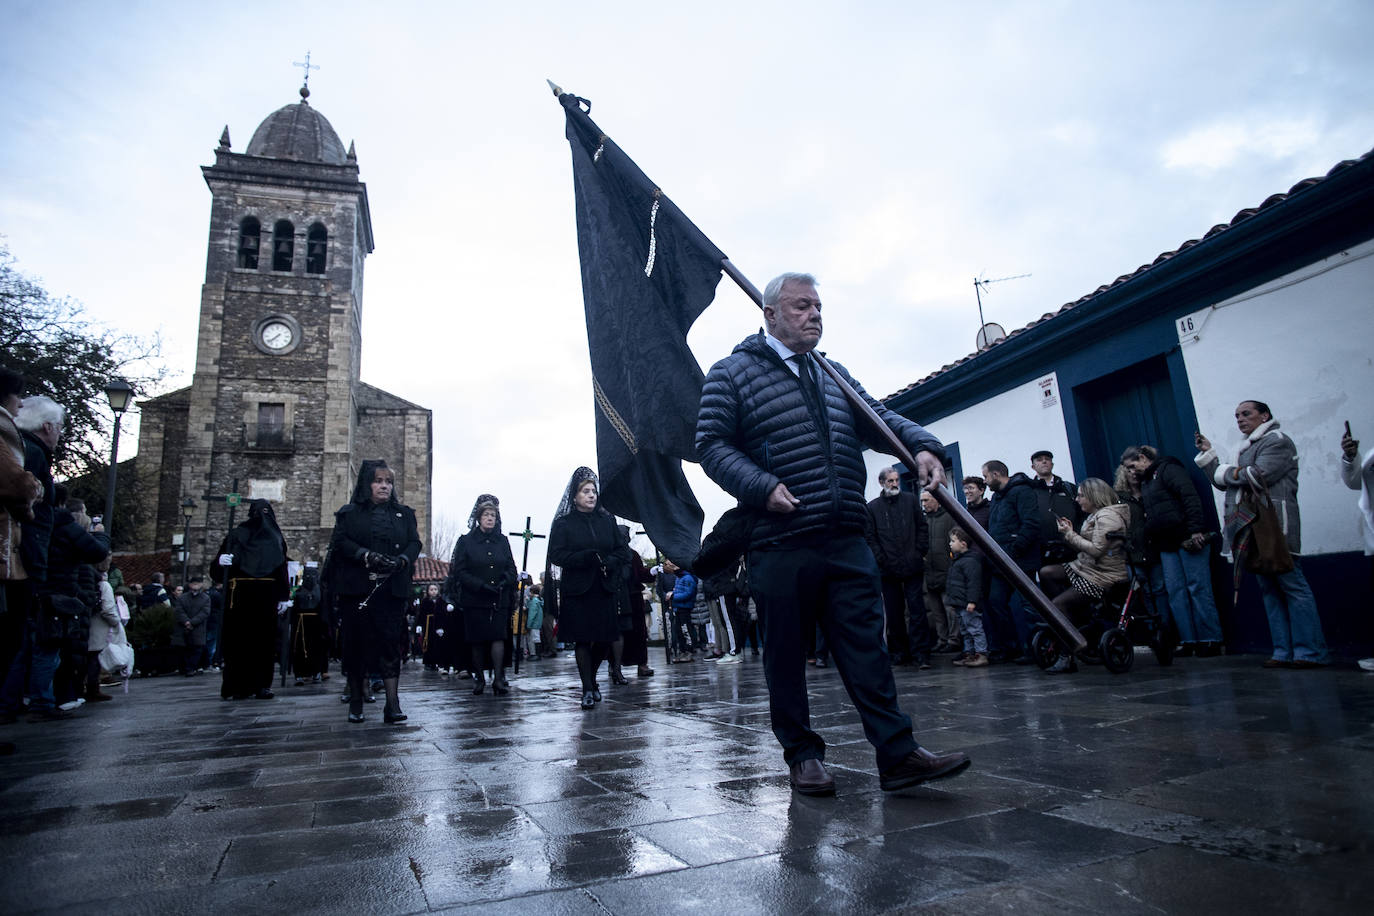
pixel 371 559
pixel 309 630
pixel 251 565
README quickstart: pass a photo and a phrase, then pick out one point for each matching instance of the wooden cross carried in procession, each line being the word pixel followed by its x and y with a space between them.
pixel 230 499
pixel 520 616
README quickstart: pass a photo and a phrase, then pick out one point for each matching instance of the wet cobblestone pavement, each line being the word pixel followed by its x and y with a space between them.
pixel 1212 786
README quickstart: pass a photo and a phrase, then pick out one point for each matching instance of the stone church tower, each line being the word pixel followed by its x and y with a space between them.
pixel 276 408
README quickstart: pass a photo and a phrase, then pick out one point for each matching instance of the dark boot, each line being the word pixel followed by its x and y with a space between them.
pixel 498 673
pixel 392 711
pixel 355 698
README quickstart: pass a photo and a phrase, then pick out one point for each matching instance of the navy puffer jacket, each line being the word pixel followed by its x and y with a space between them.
pixel 755 430
pixel 1013 521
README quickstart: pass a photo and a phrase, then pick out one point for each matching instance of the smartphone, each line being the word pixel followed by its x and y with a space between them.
pixel 1347 428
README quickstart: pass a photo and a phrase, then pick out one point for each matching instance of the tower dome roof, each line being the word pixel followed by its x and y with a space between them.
pixel 300 133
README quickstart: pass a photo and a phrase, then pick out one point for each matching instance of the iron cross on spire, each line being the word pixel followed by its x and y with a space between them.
pixel 307 67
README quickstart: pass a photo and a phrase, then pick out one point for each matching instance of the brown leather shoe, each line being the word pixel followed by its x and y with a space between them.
pixel 921 766
pixel 810 778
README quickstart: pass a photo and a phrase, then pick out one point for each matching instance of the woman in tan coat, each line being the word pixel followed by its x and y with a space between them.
pixel 1101 561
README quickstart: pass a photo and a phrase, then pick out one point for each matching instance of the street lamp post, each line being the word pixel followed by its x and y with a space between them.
pixel 188 509
pixel 120 395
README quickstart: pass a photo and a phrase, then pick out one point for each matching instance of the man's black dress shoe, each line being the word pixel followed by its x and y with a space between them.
pixel 810 778
pixel 920 766
pixel 355 717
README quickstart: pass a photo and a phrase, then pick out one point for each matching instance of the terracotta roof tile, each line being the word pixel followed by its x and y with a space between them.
pixel 430 569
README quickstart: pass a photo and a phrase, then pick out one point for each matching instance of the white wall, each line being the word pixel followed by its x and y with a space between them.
pixel 1007 427
pixel 1303 345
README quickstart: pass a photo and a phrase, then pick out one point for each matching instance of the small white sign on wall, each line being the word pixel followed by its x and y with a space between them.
pixel 1049 391
pixel 273 490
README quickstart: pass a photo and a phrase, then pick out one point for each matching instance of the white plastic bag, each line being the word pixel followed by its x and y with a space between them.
pixel 118 656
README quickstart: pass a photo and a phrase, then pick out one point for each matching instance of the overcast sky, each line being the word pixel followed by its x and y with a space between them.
pixel 896 150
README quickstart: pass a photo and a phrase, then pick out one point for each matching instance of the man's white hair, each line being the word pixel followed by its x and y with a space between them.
pixel 39 409
pixel 773 291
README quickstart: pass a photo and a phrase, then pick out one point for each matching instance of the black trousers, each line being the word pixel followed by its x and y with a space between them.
pixel 834 584
pixel 908 632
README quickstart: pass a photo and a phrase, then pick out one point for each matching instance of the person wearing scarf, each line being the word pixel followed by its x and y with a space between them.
pixel 592 556
pixel 252 567
pixel 371 558
pixel 1268 460
pixel 484 569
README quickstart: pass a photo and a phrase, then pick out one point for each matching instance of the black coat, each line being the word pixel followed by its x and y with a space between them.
pixel 484 568
pixel 938 558
pixel 982 514
pixel 353 539
pixel 964 584
pixel 1173 511
pixel 591 552
pixel 1057 499
pixel 897 534
pixel 71 547
pixel 1013 523
pixel 756 429
pixel 37 531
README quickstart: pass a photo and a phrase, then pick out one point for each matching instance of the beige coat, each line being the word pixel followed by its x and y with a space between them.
pixel 104 621
pixel 1101 561
pixel 18 491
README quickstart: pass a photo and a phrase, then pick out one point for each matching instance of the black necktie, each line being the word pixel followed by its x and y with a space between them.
pixel 808 381
pixel 805 373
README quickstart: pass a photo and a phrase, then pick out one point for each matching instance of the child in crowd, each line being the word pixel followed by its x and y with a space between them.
pixel 534 621
pixel 963 590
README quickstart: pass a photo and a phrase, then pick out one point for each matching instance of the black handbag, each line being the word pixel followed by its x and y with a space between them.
pixel 57 616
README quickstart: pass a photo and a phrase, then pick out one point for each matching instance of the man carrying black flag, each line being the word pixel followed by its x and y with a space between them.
pixel 782 439
pixel 647 273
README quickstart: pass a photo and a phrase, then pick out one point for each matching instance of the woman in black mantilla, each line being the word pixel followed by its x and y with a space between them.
pixel 252 568
pixel 372 556
pixel 485 572
pixel 593 557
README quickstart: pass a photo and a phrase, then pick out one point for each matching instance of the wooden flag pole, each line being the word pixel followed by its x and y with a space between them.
pixel 1061 624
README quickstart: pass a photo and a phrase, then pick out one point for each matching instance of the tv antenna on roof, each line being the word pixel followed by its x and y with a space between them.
pixel 988 333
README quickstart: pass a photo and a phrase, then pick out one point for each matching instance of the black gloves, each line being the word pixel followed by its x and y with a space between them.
pixel 380 563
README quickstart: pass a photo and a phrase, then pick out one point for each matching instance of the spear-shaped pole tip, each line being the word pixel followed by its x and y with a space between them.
pixel 557 90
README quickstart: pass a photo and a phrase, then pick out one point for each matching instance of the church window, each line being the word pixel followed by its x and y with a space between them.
pixel 271 425
pixel 250 237
pixel 316 245
pixel 283 245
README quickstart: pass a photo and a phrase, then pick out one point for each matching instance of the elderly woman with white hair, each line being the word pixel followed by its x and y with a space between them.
pixel 1101 560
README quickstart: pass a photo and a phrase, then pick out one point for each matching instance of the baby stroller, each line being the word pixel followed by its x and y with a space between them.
pixel 1123 618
